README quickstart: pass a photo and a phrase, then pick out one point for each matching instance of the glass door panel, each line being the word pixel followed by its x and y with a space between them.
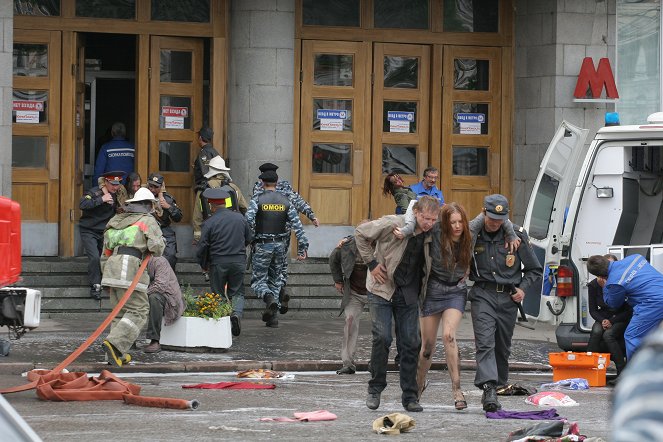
pixel 36 137
pixel 333 130
pixel 471 132
pixel 176 101
pixel 400 118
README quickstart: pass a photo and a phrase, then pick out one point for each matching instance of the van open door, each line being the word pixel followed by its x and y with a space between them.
pixel 549 202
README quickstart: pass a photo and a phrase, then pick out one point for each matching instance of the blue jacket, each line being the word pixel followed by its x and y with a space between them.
pixel 635 281
pixel 117 154
pixel 420 190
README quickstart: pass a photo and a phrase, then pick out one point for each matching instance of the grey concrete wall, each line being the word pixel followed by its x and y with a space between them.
pixel 552 38
pixel 260 89
pixel 6 51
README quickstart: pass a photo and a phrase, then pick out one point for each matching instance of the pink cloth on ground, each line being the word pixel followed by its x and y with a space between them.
pixel 304 416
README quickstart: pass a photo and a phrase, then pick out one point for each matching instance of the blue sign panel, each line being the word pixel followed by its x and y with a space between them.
pixel 471 118
pixel 332 114
pixel 400 116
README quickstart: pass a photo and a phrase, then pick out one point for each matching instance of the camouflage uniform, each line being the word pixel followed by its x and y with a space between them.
pixel 299 204
pixel 270 251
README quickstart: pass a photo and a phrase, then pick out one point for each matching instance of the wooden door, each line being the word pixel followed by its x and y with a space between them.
pixel 334 130
pixel 36 137
pixel 401 76
pixel 470 124
pixel 175 114
pixel 72 158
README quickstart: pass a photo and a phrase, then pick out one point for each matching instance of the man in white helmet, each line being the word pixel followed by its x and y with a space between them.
pixel 128 237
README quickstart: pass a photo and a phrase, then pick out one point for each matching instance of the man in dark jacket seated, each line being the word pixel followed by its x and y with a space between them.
pixel 609 324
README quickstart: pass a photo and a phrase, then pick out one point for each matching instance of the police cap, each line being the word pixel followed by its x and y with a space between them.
pixel 114 177
pixel 497 206
pixel 155 179
pixel 269 176
pixel 268 166
pixel 206 133
pixel 216 195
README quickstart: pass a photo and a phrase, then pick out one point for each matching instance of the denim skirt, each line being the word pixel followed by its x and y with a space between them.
pixel 440 296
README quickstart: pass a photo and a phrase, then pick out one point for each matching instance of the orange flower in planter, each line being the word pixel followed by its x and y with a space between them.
pixel 209 305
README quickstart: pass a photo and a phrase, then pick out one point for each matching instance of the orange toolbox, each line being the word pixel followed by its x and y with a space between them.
pixel 591 366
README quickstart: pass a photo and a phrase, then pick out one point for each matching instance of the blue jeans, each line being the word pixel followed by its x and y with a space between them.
pixel 406 320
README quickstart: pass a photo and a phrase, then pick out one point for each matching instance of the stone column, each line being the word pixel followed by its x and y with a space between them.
pixel 260 89
pixel 6 51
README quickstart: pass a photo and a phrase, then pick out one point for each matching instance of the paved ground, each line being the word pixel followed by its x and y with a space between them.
pixel 298 344
pixel 234 415
pixel 307 351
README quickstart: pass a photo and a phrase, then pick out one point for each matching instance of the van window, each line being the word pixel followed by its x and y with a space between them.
pixel 543 207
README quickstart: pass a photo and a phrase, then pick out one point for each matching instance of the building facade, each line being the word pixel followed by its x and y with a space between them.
pixel 337 93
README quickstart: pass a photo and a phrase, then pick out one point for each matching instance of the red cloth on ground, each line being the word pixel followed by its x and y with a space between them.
pixel 233 386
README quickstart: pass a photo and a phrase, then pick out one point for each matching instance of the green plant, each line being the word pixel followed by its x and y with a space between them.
pixel 207 306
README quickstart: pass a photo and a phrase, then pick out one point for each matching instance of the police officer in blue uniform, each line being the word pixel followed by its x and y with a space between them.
pixel 271 216
pixel 222 251
pixel 167 212
pixel 98 208
pixel 500 281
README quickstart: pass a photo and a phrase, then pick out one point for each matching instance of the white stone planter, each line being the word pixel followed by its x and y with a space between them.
pixel 197 332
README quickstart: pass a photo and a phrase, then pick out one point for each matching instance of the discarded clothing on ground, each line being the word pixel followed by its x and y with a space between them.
pixel 515 390
pixel 77 386
pixel 551 399
pixel 393 423
pixel 548 414
pixel 548 432
pixel 233 386
pixel 304 416
pixel 260 373
pixel 567 384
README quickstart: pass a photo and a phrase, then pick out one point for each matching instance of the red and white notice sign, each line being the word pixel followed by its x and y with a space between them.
pixel 27 105
pixel 173 111
pixel 174 116
pixel 27 112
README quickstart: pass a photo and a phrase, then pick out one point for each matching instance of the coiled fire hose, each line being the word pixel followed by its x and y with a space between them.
pixel 57 386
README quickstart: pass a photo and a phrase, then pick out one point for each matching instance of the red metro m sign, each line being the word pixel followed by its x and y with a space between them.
pixel 592 81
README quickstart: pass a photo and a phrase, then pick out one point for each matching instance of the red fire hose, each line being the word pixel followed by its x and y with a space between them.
pixel 54 385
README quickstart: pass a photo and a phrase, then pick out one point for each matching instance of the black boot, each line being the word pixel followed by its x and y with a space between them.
pixel 284 298
pixel 270 308
pixel 489 397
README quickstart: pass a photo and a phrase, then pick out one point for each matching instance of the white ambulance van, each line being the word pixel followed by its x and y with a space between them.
pixel 605 197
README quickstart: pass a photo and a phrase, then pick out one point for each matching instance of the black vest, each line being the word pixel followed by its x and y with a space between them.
pixel 272 215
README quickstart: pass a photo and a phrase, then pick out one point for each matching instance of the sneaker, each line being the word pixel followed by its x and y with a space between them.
pixel 489 398
pixel 413 407
pixel 152 347
pixel 95 292
pixel 346 370
pixel 235 325
pixel 270 308
pixel 114 356
pixel 273 322
pixel 373 401
pixel 284 297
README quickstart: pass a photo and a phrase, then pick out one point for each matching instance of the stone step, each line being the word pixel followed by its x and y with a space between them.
pixel 64 287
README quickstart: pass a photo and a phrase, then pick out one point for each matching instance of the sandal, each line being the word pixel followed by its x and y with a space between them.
pixel 460 404
pixel 423 388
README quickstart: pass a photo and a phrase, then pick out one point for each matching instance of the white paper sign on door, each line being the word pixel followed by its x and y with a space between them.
pixel 174 123
pixel 470 128
pixel 31 117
